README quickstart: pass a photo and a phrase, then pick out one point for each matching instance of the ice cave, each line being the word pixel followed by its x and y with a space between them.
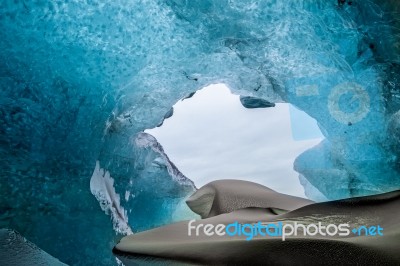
pixel 80 82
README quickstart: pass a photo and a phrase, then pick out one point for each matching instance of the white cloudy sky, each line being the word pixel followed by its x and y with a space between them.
pixel 212 136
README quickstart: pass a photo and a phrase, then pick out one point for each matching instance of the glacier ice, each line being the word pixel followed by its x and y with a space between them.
pixel 253 102
pixel 80 79
pixel 102 187
pixel 16 250
pixel 151 185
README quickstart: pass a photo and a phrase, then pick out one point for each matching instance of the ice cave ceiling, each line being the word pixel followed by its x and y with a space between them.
pixel 79 80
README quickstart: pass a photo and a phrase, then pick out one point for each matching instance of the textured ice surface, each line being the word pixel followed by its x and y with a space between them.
pixel 78 79
pixel 16 250
pixel 150 184
pixel 102 187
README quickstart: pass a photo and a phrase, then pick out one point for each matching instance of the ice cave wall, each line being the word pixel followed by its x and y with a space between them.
pixel 80 79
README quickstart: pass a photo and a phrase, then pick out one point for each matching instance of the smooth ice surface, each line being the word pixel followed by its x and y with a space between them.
pixel 78 79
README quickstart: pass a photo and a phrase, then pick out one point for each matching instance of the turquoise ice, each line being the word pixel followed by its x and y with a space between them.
pixel 80 79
